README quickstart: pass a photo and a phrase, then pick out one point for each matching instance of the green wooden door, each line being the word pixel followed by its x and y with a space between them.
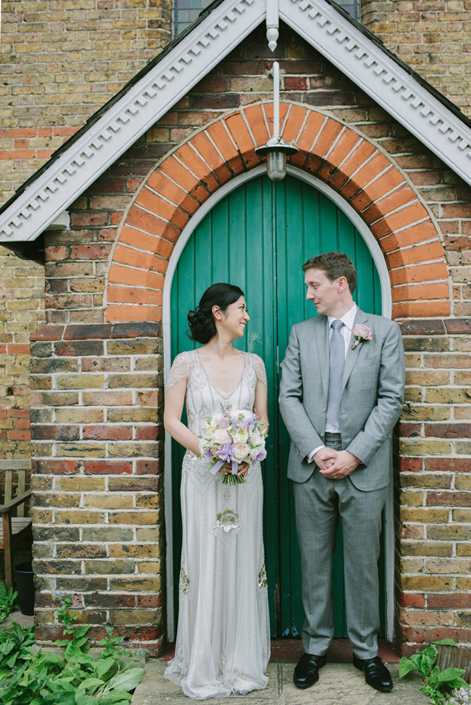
pixel 258 237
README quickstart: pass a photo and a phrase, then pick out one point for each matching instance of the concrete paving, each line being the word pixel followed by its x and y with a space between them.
pixel 22 619
pixel 339 684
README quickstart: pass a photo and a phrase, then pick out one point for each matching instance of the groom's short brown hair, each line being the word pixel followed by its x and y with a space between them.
pixel 335 265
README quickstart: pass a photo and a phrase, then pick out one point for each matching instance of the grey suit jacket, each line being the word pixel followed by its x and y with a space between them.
pixel 372 397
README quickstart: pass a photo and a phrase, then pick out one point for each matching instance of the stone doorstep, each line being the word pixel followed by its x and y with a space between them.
pixel 339 684
pixel 290 650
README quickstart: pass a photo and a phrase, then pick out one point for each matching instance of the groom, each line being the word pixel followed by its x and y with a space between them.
pixel 341 394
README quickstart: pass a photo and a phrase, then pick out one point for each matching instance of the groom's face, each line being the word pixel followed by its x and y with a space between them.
pixel 323 293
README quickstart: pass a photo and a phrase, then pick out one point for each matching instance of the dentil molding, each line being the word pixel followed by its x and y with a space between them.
pixel 129 118
pixel 382 78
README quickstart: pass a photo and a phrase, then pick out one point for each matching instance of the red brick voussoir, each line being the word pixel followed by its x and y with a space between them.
pixel 362 174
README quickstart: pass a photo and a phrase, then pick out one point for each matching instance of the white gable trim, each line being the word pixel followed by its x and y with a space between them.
pixel 378 75
pixel 123 124
pixel 400 94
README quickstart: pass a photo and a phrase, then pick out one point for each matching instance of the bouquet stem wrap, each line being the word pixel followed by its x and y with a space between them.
pixel 221 463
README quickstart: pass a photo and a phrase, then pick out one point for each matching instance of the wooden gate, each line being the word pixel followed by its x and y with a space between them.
pixel 258 237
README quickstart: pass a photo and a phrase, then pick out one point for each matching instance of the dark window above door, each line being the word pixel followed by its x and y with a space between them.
pixel 187 11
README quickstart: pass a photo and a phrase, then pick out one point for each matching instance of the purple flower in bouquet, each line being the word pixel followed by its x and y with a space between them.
pixel 225 452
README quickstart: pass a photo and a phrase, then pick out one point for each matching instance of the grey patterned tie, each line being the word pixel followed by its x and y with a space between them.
pixel 336 365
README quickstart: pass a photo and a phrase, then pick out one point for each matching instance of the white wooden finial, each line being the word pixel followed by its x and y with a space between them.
pixel 272 23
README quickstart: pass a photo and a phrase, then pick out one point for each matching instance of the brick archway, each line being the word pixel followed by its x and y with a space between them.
pixel 350 164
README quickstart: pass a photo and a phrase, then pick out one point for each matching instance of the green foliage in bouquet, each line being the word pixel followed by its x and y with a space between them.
pixel 437 684
pixel 28 676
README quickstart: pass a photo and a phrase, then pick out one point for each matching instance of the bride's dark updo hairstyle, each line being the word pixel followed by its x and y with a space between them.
pixel 201 320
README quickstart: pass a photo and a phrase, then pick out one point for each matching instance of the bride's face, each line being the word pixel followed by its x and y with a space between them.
pixel 235 318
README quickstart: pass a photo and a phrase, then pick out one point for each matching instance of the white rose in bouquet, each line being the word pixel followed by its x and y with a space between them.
pixel 257 454
pixel 241 451
pixel 221 436
pixel 257 438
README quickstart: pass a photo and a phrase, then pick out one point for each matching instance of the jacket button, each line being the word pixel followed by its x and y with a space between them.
pixel 324 409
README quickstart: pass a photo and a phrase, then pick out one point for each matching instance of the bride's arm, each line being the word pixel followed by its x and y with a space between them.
pixel 261 405
pixel 174 401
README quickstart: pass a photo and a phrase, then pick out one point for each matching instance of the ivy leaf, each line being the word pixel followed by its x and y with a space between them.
pixel 406 666
pixel 72 651
pixel 118 697
pixel 7 646
pixel 427 659
pixel 81 699
pixel 104 666
pixel 81 631
pixel 446 642
pixel 53 659
pixel 458 683
pixel 91 683
pixel 59 699
pixel 10 662
pixel 449 674
pixel 415 658
pixel 128 680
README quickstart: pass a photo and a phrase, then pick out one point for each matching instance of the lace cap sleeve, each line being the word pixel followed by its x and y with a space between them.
pixel 180 369
pixel 259 367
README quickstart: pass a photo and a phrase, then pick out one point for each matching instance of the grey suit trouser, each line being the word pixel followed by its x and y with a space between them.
pixel 319 503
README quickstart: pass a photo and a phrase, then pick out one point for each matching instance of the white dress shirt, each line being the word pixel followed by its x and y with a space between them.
pixel 348 319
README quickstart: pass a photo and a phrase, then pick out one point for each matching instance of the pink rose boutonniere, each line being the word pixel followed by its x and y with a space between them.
pixel 361 334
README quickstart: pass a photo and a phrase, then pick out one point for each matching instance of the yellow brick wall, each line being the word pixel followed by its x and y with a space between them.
pixel 21 313
pixel 432 36
pixel 60 61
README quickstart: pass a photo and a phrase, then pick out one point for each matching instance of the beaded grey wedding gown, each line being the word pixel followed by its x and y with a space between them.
pixel 223 638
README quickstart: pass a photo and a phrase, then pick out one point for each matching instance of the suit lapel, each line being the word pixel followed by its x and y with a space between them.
pixel 321 339
pixel 353 355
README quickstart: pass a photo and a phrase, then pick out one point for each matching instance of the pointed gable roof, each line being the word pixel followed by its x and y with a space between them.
pixel 408 98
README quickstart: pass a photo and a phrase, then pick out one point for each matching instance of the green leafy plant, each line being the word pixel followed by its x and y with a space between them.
pixel 65 616
pixel 7 601
pixel 437 684
pixel 28 676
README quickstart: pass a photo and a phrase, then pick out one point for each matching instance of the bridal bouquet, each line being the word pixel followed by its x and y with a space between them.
pixel 230 438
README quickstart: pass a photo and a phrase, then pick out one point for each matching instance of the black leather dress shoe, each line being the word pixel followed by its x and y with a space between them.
pixel 376 673
pixel 306 672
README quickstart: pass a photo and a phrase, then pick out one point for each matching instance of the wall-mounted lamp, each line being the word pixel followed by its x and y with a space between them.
pixel 276 149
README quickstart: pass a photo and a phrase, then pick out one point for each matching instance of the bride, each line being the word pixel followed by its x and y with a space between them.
pixel 223 634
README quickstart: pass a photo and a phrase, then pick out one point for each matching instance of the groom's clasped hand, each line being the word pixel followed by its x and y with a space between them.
pixel 335 464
